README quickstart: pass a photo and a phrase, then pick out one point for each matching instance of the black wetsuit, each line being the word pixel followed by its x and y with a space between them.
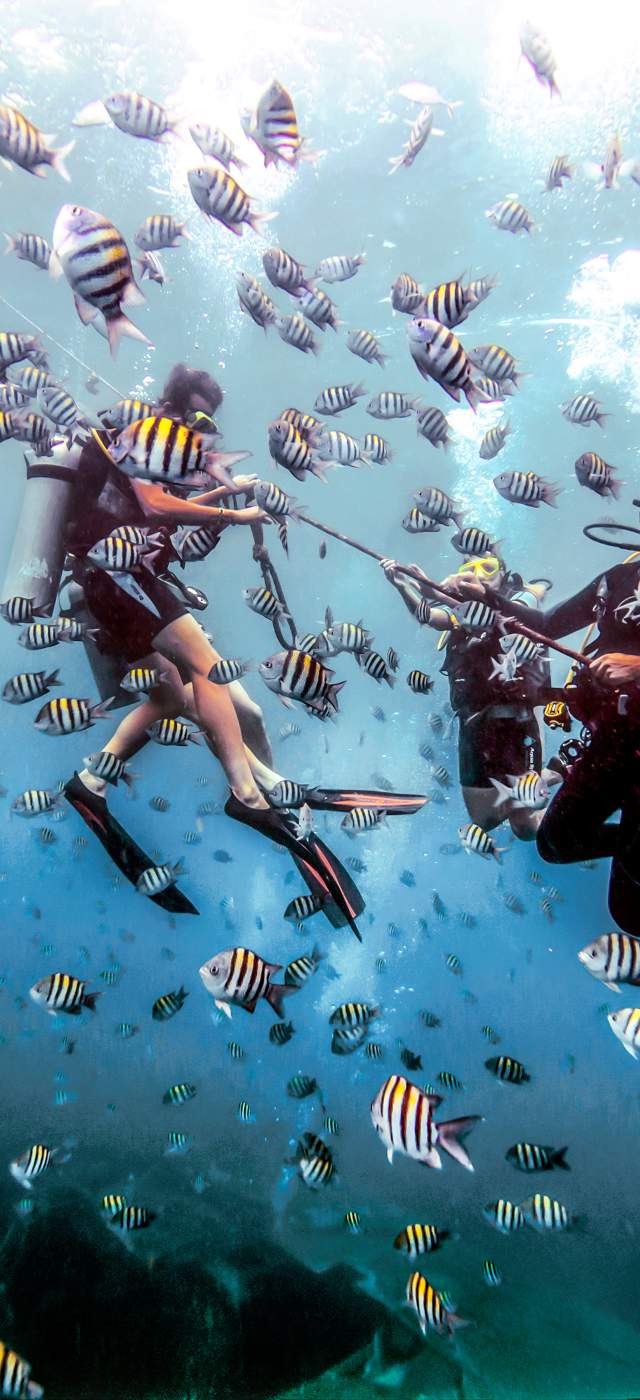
pixel 606 776
pixel 499 734
pixel 133 609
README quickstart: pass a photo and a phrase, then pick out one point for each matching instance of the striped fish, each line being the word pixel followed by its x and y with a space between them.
pixel 178 1143
pixel 32 1163
pixel 373 1050
pixel 345 636
pixel 61 991
pixel 491 1274
pixel 511 216
pixel 295 675
pixel 613 958
pixel 133 1218
pixel 403 1117
pixel 244 1113
pixel 559 170
pixel 531 1157
pixel 15 1376
pixel 161 449
pixel 254 301
pixel 68 715
pixel 10 397
pixel 301 969
pixel 434 503
pixel 168 1005
pixel 543 1213
pixel 25 145
pixel 274 128
pixel 347 1039
pixel 449 303
pixel 305 423
pixel 287 793
pixel 318 308
pixel 339 268
pixel 29 685
pixel 240 977
pixel 134 114
pixel 625 1025
pixel 158 878
pixel 140 679
pixel 480 287
pixel 432 425
pixel 95 260
pixel 172 732
pixel 495 390
pixel 365 344
pixel 300 1086
pixel 15 346
pixel 316 1171
pixel 338 397
pixel 415 523
pixel 295 331
pixel 149 265
pixel 504 1216
pixel 109 767
pixel 196 544
pixel 281 1032
pixel 494 440
pixel 116 555
pixel 528 792
pixel 290 449
pixel 262 601
pixel 429 1307
pixel 420 1239
pixel 353 1013
pixel 17 610
pixel 228 669
pixel 220 197
pixel 336 446
pixel 159 804
pixel 490 1035
pixel 28 378
pixel 214 142
pixel 508 1070
pixel 406 295
pixel 526 489
pixel 419 682
pixel 236 1051
pixel 375 666
pixel 34 801
pixel 375 448
pixel 361 819
pixel 392 404
pixel 112 1203
pixel 473 542
pixel 475 838
pixel 495 361
pixel 33 428
pixel 438 354
pixel 447 1080
pixel 179 1093
pixel 30 247
pixel 285 272
pixel 353 1222
pixel 535 47
pixel 125 412
pixel 592 471
pixel 160 231
pixel 126 1030
pixel 59 406
pixel 523 648
pixel 417 139
pixel 582 409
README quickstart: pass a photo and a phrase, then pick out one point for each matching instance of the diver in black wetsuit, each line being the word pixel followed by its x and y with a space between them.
pixel 605 777
pixel 499 734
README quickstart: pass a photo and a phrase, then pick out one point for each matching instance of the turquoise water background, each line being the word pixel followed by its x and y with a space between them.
pixel 564 1322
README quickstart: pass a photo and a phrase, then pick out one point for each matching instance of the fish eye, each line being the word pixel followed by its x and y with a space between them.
pixel 214 969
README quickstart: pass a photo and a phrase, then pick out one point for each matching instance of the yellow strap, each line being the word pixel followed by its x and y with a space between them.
pixel 97 439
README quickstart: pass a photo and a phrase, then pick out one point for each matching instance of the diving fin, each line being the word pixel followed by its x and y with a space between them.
pixel 398 804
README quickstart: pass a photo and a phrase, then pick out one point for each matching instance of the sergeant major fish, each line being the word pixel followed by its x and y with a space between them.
pixel 25 145
pixel 403 1117
pixel 95 260
pixel 240 977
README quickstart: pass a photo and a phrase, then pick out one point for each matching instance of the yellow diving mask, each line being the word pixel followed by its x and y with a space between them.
pixel 489 567
pixel 203 423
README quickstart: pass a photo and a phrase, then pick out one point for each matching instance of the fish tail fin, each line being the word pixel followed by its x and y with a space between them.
pixel 53 679
pixel 615 486
pixel 117 327
pixel 599 418
pixel 549 492
pixel 58 160
pixel 99 711
pixel 11 244
pixel 275 995
pixel 503 792
pixel 474 395
pixel 395 162
pixel 219 463
pixel 256 220
pixel 558 1159
pixel 90 998
pixel 449 1135
pixel 129 780
pixel 332 693
pixel 454 1323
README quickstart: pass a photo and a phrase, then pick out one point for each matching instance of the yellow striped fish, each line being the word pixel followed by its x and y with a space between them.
pixel 274 128
pixel 95 260
pixel 429 1307
pixel 15 1376
pixel 161 449
pixel 22 143
pixel 220 197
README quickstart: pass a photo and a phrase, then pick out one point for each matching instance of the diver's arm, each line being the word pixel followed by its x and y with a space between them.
pixel 159 503
pixel 410 595
pixel 240 484
pixel 565 618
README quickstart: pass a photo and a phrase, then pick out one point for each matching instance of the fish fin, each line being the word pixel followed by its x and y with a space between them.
pixel 99 711
pixel 219 463
pixel 94 114
pixel 223 1006
pixel 255 220
pixel 613 987
pixel 132 295
pixel 395 162
pixel 8 165
pixel 53 679
pixel 194 736
pixel 275 996
pixel 631 1050
pixel 558 1159
pixel 117 326
pixel 549 492
pixel 503 793
pixel 84 309
pixel 449 1135
pixel 90 998
pixel 390 1155
pixel 454 1323
pixel 11 244
pixel 58 160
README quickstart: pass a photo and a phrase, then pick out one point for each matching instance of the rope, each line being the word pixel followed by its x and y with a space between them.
pixel 272 582
pixel 63 348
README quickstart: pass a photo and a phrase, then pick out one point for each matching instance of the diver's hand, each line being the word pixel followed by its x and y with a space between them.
pixel 616 668
pixel 390 569
pixel 465 587
pixel 251 515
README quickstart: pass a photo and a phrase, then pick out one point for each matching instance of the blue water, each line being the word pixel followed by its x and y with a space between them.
pixel 564 1322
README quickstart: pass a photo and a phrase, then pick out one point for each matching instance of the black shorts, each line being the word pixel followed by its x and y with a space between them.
pixel 496 748
pixel 130 626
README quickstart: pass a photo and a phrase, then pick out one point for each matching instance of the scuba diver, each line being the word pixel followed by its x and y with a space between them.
pixel 602 770
pixel 144 619
pixel 499 735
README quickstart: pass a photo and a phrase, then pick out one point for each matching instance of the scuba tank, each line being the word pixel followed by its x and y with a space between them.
pixel 37 556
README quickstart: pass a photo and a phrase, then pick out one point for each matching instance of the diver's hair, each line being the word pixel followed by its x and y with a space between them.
pixel 183 383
